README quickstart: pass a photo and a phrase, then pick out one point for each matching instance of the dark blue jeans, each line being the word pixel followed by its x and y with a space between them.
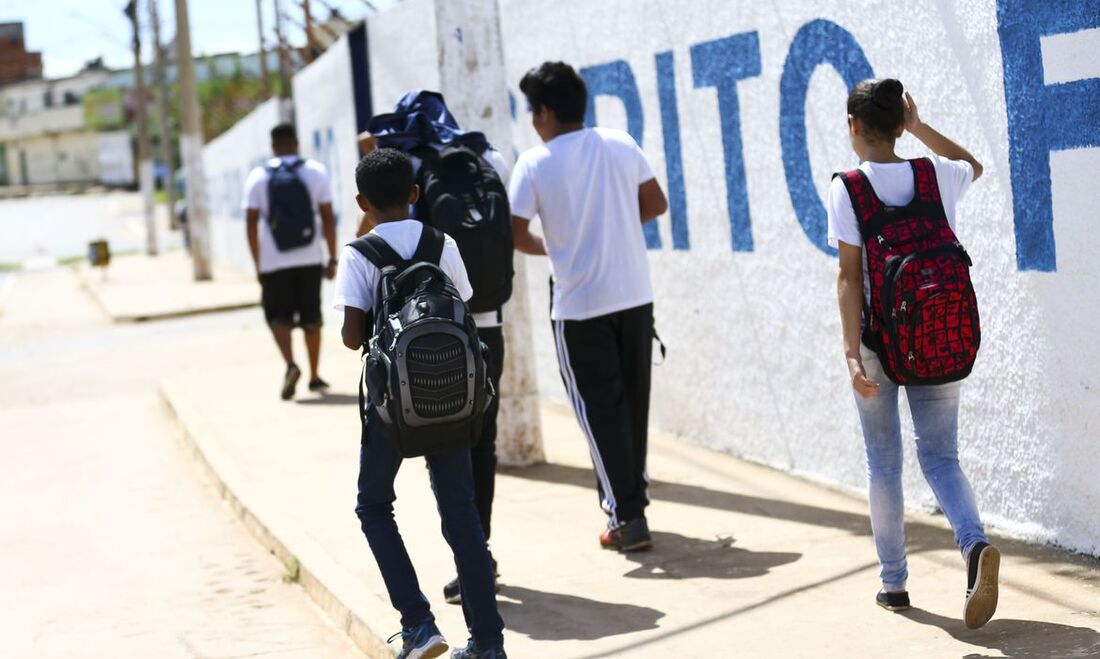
pixel 452 483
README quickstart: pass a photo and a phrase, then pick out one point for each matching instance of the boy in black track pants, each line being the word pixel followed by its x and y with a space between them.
pixel 592 188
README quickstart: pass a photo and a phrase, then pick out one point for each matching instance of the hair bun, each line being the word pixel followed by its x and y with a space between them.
pixel 887 93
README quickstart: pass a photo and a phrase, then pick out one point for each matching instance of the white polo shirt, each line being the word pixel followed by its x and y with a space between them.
pixel 357 278
pixel 583 186
pixel 316 179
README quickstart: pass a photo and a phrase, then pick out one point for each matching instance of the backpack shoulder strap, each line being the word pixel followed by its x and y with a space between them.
pixel 864 201
pixel 377 250
pixel 925 185
pixel 430 247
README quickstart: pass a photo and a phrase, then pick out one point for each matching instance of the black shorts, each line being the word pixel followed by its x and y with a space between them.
pixel 293 296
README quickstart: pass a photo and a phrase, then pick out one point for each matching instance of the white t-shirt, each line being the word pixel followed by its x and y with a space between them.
pixel 316 179
pixel 583 186
pixel 357 278
pixel 493 157
pixel 893 183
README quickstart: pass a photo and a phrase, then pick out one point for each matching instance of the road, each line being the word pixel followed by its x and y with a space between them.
pixel 60 226
pixel 112 544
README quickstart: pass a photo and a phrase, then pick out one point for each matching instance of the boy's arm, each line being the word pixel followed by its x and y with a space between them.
pixel 252 229
pixel 524 240
pixel 328 227
pixel 933 139
pixel 651 200
pixel 354 331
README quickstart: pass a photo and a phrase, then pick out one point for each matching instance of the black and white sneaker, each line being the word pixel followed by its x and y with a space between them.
pixel 318 385
pixel 290 381
pixel 982 568
pixel 893 601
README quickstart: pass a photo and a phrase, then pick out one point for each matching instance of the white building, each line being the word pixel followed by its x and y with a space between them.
pixel 47 137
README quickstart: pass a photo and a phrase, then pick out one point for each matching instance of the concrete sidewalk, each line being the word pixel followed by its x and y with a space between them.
pixel 136 288
pixel 749 562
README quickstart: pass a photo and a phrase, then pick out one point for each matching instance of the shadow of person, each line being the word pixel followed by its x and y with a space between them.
pixel 1016 639
pixel 330 399
pixel 545 616
pixel 676 556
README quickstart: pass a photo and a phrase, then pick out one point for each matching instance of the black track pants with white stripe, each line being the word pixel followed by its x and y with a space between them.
pixel 605 364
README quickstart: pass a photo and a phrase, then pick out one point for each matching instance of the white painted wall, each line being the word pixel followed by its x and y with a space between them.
pixel 226 162
pixel 324 114
pixel 755 363
pixel 403 53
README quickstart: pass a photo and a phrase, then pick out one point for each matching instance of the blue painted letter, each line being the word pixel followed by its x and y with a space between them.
pixel 674 164
pixel 1042 118
pixel 720 64
pixel 816 43
pixel 616 79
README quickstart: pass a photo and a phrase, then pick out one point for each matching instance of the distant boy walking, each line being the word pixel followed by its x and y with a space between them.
pixel 293 198
pixel 386 190
pixel 593 189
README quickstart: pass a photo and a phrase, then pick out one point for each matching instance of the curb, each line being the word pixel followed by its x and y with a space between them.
pixel 339 613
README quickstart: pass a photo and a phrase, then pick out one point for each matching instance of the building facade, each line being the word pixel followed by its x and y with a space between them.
pixel 16 64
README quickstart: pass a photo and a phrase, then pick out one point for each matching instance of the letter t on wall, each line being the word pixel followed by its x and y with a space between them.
pixel 720 64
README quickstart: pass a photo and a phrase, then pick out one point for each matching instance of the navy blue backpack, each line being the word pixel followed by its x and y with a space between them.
pixel 290 208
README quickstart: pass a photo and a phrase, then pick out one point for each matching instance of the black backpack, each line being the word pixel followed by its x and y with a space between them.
pixel 462 195
pixel 424 366
pixel 289 206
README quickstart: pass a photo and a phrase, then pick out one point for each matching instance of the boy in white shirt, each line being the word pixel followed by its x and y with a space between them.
pixel 593 189
pixel 291 277
pixel 386 190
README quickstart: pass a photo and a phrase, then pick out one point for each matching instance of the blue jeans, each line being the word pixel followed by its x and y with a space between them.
pixel 935 411
pixel 452 483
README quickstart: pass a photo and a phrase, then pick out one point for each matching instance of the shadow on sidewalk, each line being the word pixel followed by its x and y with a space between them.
pixel 694 495
pixel 330 399
pixel 1017 639
pixel 921 536
pixel 676 556
pixel 545 616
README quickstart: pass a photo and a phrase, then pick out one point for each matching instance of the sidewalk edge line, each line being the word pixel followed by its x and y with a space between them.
pixel 340 614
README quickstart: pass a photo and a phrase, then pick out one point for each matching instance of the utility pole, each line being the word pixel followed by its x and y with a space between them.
pixel 311 43
pixel 477 95
pixel 191 146
pixel 264 75
pixel 284 56
pixel 166 150
pixel 145 161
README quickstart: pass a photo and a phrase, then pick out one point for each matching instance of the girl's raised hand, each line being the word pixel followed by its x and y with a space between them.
pixel 912 119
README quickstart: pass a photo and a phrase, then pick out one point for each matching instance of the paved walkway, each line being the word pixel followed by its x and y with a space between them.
pixel 135 288
pixel 112 545
pixel 749 562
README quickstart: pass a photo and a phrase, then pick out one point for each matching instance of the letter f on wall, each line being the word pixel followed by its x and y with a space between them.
pixel 1042 118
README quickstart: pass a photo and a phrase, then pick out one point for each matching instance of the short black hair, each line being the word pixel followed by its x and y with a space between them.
pixel 284 133
pixel 557 86
pixel 385 178
pixel 878 104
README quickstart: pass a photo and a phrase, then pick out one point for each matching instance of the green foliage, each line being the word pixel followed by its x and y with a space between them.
pixel 227 98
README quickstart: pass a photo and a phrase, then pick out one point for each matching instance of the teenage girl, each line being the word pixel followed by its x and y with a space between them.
pixel 878 114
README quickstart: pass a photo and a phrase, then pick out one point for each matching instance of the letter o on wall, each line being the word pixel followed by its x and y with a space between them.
pixel 817 42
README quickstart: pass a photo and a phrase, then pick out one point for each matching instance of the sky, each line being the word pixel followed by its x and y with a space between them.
pixel 68 33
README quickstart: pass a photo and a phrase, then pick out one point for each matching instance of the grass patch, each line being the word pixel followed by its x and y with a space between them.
pixel 293 571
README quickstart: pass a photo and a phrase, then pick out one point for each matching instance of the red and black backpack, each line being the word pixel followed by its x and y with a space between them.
pixel 923 319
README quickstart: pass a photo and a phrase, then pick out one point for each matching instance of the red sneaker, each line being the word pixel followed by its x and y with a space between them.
pixel 627 536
